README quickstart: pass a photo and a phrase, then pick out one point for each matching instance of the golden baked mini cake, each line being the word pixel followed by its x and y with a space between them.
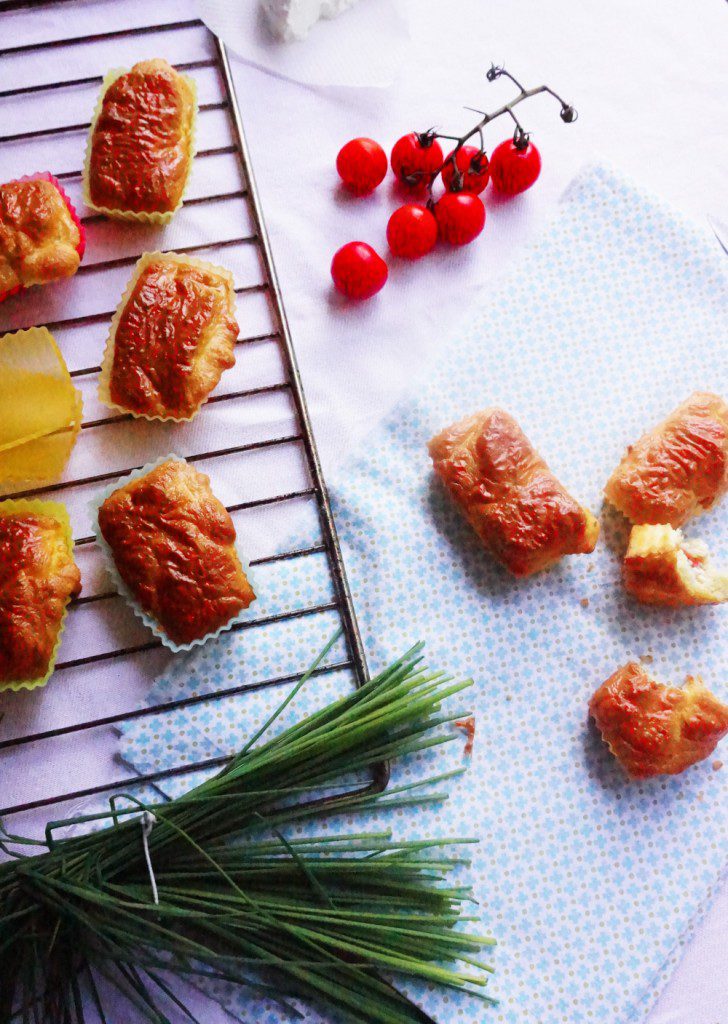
pixel 41 238
pixel 663 567
pixel 677 470
pixel 173 545
pixel 141 143
pixel 523 515
pixel 654 729
pixel 38 577
pixel 172 337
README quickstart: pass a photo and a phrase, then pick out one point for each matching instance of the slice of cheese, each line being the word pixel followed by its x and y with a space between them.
pixel 293 19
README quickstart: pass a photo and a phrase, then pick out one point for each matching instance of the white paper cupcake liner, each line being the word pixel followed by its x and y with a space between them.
pixel 151 623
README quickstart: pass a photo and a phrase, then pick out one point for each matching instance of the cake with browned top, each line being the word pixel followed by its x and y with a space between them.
pixel 173 339
pixel 677 470
pixel 654 729
pixel 173 544
pixel 40 239
pixel 524 516
pixel 141 143
pixel 38 577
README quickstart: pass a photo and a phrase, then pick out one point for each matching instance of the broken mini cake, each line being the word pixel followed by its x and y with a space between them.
pixel 663 567
pixel 654 729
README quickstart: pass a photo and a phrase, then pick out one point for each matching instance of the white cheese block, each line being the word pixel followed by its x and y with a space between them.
pixel 292 19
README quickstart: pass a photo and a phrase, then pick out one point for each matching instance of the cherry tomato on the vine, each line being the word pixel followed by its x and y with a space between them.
pixel 460 217
pixel 472 163
pixel 412 231
pixel 513 169
pixel 416 158
pixel 358 271
pixel 362 164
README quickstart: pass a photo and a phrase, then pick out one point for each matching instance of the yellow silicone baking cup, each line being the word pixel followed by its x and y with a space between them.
pixel 41 409
pixel 57 511
pixel 107 364
pixel 133 215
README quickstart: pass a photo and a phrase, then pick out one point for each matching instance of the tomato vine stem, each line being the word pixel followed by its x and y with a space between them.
pixel 520 135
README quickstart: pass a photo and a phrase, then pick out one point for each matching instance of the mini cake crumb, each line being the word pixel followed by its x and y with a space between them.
pixel 584 602
pixel 717 765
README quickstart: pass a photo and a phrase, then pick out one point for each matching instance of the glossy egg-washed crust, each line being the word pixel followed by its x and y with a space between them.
pixel 654 729
pixel 677 470
pixel 663 567
pixel 141 141
pixel 37 579
pixel 173 544
pixel 518 508
pixel 39 239
pixel 173 338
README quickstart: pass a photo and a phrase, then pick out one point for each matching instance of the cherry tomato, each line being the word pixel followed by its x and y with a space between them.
pixel 362 164
pixel 416 159
pixel 358 271
pixel 473 166
pixel 412 231
pixel 513 170
pixel 460 217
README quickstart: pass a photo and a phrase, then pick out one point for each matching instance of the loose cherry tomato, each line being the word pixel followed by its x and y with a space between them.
pixel 472 163
pixel 416 159
pixel 460 217
pixel 412 231
pixel 514 169
pixel 358 271
pixel 362 164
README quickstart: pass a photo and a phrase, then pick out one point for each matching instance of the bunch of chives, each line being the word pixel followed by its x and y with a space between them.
pixel 326 918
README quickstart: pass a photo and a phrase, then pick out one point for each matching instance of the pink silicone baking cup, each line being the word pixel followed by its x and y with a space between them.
pixel 80 248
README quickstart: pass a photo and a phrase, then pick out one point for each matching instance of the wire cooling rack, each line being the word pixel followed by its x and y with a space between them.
pixel 25 95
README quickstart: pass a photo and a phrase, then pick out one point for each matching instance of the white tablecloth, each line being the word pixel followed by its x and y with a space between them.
pixel 649 82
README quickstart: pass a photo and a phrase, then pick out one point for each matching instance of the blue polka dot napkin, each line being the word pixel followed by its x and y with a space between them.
pixel 590 883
